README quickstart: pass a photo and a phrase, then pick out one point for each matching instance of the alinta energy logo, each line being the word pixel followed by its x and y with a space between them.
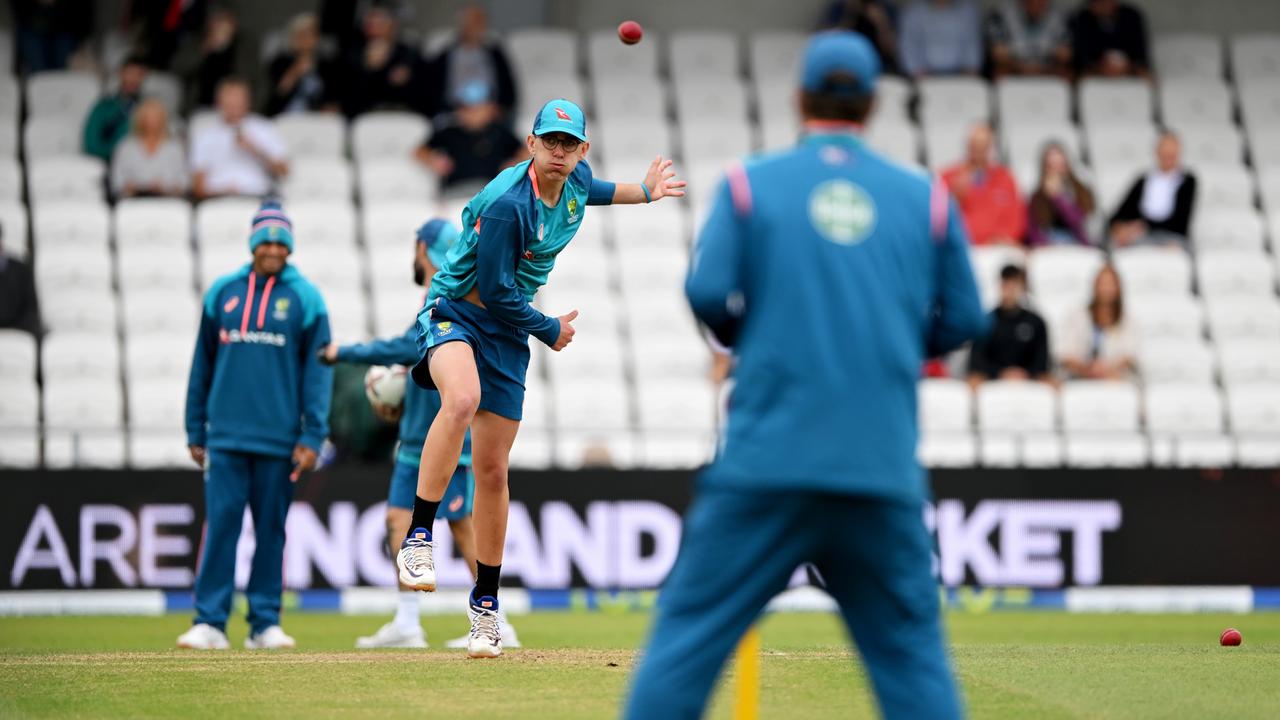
pixel 252 337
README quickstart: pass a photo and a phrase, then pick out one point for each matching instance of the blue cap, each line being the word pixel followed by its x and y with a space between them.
pixel 561 116
pixel 840 51
pixel 438 235
pixel 270 224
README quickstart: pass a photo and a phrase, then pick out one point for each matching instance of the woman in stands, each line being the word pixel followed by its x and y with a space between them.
pixel 1097 343
pixel 1059 210
pixel 149 163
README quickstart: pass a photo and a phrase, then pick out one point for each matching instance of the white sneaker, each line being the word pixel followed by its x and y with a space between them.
pixel 485 640
pixel 273 638
pixel 203 637
pixel 506 629
pixel 417 569
pixel 392 635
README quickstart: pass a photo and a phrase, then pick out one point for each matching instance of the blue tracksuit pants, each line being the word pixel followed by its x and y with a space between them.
pixel 232 480
pixel 740 548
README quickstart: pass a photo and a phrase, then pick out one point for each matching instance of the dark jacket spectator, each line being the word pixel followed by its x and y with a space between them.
pixel 108 121
pixel 470 67
pixel 1059 209
pixel 383 72
pixel 870 19
pixel 1110 38
pixel 1158 207
pixel 214 59
pixel 1029 37
pixel 474 146
pixel 301 79
pixel 160 27
pixel 941 37
pixel 1018 346
pixel 19 307
pixel 49 31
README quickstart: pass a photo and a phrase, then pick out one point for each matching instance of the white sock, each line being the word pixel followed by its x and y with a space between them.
pixel 407 610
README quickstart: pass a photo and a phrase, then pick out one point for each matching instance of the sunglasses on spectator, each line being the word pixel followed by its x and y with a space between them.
pixel 551 141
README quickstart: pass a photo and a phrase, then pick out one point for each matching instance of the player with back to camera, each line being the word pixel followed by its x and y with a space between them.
pixel 474 336
pixel 431 241
pixel 833 273
pixel 257 413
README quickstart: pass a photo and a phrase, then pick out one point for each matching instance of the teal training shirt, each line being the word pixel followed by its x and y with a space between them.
pixel 510 240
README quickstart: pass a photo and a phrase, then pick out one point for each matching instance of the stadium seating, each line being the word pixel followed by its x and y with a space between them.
pixel 1185 56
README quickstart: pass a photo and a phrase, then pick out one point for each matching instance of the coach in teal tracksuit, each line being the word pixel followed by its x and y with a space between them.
pixel 833 273
pixel 257 413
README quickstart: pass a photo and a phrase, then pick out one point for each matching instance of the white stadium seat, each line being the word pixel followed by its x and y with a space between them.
pixel 146 268
pixel 318 179
pixel 893 96
pixel 599 356
pixel 1195 102
pixel 1024 143
pixel 597 448
pixel 11 184
pixel 52 136
pixel 154 450
pixel 1183 408
pixel 608 58
pixel 776 53
pixel 1115 102
pixel 591 405
pixel 226 222
pixel 1063 271
pixel 1203 450
pixel 153 223
pixel 1255 56
pixel 627 144
pixel 1125 450
pixel 17 355
pixel 1254 408
pixel 944 143
pixel 1016 406
pixel 533 450
pixel 680 355
pixel 397 179
pixel 1153 271
pixel 80 356
pixel 715 144
pixel 393 224
pixel 1176 361
pixel 19 447
pixel 710 53
pixel 1210 144
pixel 1258 450
pixel 676 451
pixel 158 357
pixel 550 50
pixel 678 405
pixel 321 224
pixel 160 310
pixel 945 405
pixel 71 224
pixel 1226 273
pixel 84 448
pixel 661 226
pixel 1260 109
pixel 1188 56
pixel 1249 361
pixel 1227 229
pixel 13 219
pixel 21 406
pixel 947 449
pixel 710 100
pixel 335 266
pixel 1158 317
pixel 637 99
pixel 78 309
pixel 1224 186
pixel 1118 148
pixel 895 139
pixel 1244 318
pixel 157 405
pixel 958 100
pixel 219 260
pixel 387 135
pixel 987 261
pixel 68 269
pixel 312 134
pixel 82 403
pixel 1038 100
pixel 1099 406
pixel 65 93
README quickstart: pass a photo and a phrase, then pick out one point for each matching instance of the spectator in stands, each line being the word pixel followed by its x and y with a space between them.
pixel 1018 346
pixel 1158 207
pixel 383 72
pixel 987 193
pixel 300 79
pixel 236 153
pixel 1029 37
pixel 472 66
pixel 1109 38
pixel 205 64
pixel 1059 209
pixel 472 147
pixel 108 121
pixel 19 306
pixel 159 27
pixel 50 31
pixel 941 37
pixel 149 163
pixel 1097 344
pixel 870 19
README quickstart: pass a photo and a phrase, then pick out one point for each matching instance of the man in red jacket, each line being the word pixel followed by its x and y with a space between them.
pixel 987 193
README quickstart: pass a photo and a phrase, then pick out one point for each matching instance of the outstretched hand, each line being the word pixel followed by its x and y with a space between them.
pixel 660 180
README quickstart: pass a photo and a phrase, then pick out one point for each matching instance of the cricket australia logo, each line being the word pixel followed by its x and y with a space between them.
pixel 444 328
pixel 282 309
pixel 842 212
pixel 573 210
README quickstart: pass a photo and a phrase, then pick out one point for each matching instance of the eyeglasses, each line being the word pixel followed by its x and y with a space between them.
pixel 552 141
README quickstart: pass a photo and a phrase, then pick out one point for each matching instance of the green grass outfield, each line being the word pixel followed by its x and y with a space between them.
pixel 575 665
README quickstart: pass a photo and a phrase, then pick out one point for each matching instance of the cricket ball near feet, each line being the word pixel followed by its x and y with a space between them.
pixel 1230 637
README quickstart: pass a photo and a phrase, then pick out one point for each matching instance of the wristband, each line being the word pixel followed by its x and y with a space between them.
pixel 647 197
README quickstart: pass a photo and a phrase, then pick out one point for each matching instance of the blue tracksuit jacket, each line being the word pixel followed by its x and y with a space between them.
pixel 420 404
pixel 256 382
pixel 834 273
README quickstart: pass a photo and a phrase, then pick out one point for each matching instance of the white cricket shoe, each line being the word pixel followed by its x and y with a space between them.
pixel 414 561
pixel 273 638
pixel 485 640
pixel 203 637
pixel 392 635
pixel 505 628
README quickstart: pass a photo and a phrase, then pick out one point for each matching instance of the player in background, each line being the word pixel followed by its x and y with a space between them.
pixel 474 336
pixel 833 273
pixel 431 242
pixel 257 413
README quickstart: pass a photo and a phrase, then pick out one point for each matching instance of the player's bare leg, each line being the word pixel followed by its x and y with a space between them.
pixel 453 370
pixel 491 439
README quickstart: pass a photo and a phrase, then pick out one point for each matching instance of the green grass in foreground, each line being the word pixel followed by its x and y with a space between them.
pixel 1012 665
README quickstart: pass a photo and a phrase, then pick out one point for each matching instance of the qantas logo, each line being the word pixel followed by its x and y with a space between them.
pixel 253 337
pixel 560 113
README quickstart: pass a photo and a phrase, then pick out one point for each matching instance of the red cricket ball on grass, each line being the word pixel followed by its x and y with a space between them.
pixel 630 32
pixel 1230 637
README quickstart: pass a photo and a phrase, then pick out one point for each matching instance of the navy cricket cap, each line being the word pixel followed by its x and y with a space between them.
pixel 840 51
pixel 561 115
pixel 438 235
